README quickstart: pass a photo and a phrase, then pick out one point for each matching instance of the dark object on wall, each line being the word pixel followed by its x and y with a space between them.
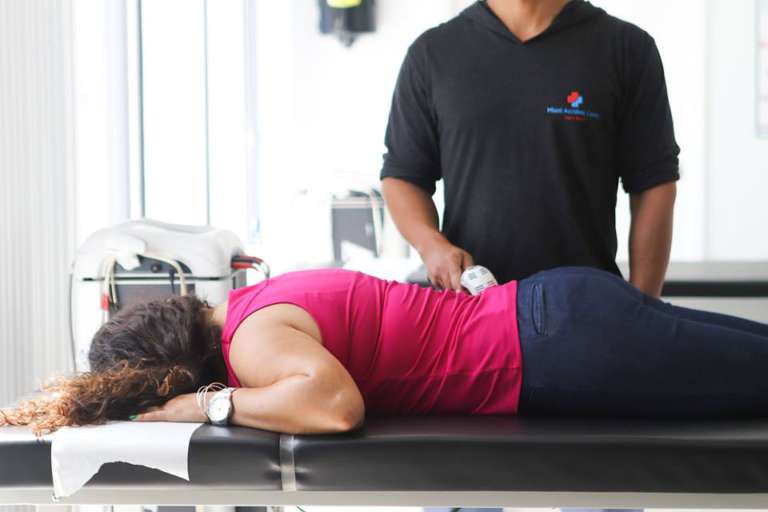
pixel 347 18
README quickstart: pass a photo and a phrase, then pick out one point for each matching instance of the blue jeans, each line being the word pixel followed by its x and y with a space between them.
pixel 593 344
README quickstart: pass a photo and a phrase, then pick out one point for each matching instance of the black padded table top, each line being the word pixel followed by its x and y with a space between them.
pixel 218 456
pixel 446 454
pixel 538 454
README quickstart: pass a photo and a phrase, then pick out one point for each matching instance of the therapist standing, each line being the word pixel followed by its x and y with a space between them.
pixel 531 111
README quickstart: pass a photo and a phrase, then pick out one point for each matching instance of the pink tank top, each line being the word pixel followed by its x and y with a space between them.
pixel 410 349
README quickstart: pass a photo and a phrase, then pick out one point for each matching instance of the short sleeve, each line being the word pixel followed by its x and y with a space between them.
pixel 647 147
pixel 411 139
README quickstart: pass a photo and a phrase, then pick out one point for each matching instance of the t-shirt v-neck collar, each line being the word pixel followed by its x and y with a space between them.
pixel 493 22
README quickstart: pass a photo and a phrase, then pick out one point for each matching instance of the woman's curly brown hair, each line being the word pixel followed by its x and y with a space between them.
pixel 143 356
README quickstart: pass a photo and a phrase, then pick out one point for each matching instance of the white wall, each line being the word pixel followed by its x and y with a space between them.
pixel 737 159
pixel 323 110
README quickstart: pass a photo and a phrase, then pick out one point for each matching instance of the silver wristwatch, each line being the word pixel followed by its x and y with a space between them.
pixel 220 408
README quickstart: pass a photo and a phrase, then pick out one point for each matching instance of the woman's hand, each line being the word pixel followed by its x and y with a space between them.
pixel 179 408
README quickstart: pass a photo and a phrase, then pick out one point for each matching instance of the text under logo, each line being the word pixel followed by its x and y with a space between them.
pixel 575 100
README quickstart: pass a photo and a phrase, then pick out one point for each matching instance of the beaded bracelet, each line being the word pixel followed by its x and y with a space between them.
pixel 202 395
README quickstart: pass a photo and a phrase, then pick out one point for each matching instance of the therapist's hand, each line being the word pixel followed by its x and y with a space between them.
pixel 445 262
pixel 179 408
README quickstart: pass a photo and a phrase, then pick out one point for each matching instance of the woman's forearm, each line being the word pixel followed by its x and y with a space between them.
pixel 299 404
pixel 302 403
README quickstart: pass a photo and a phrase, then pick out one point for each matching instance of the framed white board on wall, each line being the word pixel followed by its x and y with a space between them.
pixel 762 68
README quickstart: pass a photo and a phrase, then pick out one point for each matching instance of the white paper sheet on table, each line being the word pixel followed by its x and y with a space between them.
pixel 77 453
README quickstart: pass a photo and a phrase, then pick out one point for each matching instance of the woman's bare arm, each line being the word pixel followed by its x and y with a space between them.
pixel 291 383
pixel 301 404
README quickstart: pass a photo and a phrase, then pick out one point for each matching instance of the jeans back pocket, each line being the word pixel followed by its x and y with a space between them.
pixel 539 309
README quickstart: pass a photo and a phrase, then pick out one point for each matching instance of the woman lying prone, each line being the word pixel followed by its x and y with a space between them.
pixel 314 351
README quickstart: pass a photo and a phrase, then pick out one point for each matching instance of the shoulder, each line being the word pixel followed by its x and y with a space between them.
pixel 276 343
pixel 627 35
pixel 441 38
pixel 442 32
pixel 633 49
pixel 250 348
pixel 264 347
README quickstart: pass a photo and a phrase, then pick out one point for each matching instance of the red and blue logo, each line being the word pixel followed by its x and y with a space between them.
pixel 575 99
pixel 573 112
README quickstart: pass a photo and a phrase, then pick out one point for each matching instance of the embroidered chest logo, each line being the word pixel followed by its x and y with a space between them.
pixel 573 112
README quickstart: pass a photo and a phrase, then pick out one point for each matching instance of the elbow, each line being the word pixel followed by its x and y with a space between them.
pixel 351 416
pixel 324 423
pixel 350 421
pixel 337 403
pixel 346 424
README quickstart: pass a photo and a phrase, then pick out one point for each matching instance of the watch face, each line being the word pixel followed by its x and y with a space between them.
pixel 218 410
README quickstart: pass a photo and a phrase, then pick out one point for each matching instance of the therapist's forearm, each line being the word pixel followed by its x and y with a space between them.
pixel 650 237
pixel 413 211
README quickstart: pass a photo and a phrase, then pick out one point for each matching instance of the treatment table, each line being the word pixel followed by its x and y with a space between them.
pixel 454 461
pixel 440 461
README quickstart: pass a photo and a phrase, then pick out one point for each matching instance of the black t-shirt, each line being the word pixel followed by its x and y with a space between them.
pixel 531 138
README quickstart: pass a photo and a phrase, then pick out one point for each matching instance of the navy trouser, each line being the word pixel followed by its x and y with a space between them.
pixel 593 344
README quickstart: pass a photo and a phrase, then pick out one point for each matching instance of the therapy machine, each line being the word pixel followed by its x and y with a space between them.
pixel 145 260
